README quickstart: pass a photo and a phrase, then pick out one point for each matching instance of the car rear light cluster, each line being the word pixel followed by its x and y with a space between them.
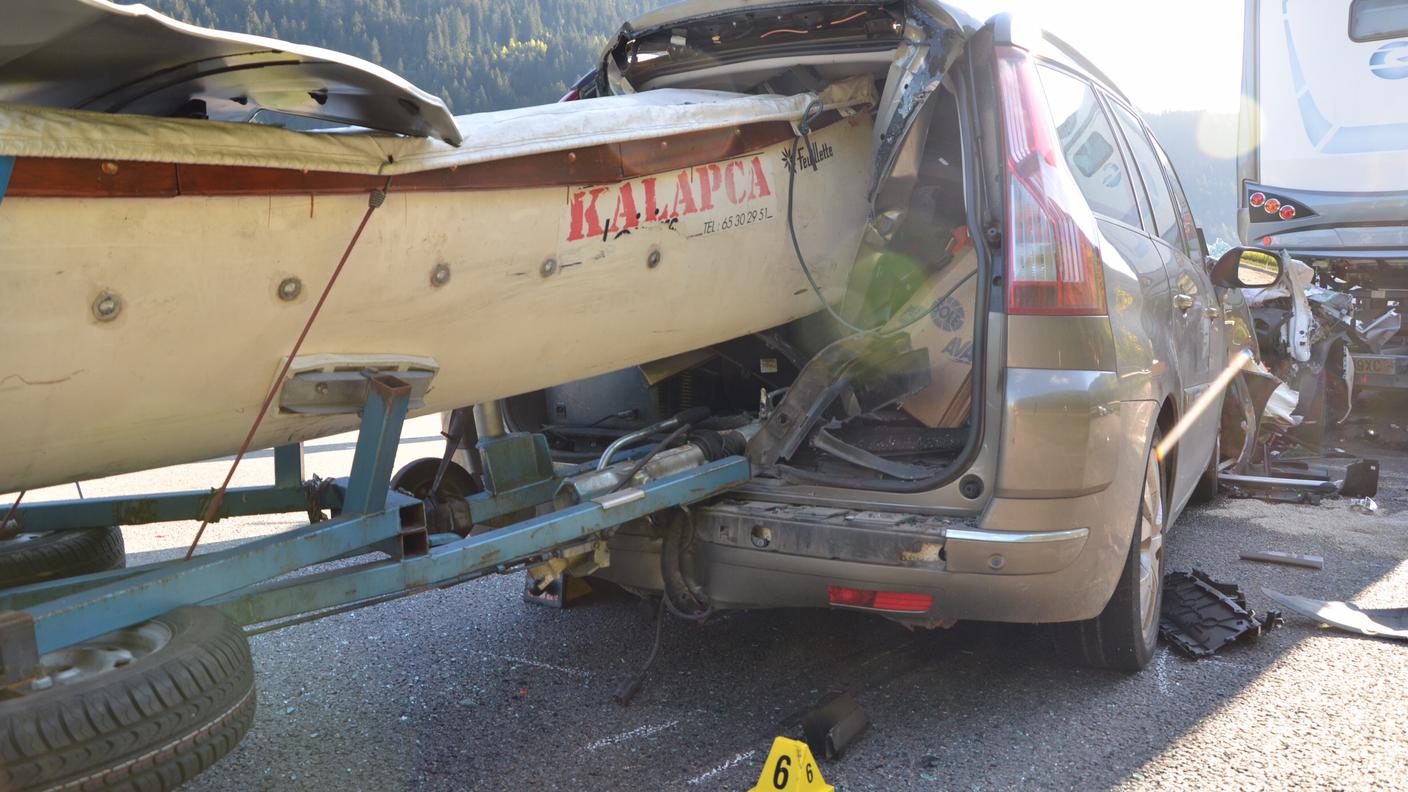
pixel 1272 205
pixel 1053 265
pixel 890 601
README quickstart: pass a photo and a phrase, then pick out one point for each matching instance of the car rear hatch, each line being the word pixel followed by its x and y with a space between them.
pixel 896 409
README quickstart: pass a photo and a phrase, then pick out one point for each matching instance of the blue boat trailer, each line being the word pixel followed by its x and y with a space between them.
pixel 255 583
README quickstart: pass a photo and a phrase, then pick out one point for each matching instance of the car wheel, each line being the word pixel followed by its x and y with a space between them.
pixel 141 708
pixel 1205 491
pixel 1126 632
pixel 36 557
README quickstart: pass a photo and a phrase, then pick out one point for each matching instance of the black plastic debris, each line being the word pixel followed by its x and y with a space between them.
pixel 833 724
pixel 1361 479
pixel 1200 615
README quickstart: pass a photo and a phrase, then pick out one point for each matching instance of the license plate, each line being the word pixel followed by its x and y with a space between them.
pixel 1377 365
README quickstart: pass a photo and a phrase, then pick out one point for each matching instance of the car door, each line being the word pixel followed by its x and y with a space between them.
pixel 1196 317
pixel 1214 351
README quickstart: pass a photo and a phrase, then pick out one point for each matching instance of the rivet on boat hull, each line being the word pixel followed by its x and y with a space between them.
pixel 290 288
pixel 107 307
pixel 548 268
pixel 653 260
pixel 440 275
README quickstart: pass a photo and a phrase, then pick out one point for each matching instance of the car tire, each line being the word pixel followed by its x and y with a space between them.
pixel 1125 634
pixel 143 708
pixel 1205 491
pixel 34 558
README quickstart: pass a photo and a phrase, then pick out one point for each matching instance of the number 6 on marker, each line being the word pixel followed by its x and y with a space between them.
pixel 785 755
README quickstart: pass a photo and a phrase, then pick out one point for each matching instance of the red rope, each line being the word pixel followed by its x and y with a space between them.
pixel 377 197
pixel 11 513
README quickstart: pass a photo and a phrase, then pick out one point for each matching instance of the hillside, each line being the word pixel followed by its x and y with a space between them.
pixel 475 54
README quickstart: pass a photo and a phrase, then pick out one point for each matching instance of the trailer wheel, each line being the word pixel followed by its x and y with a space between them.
pixel 142 708
pixel 416 478
pixel 36 557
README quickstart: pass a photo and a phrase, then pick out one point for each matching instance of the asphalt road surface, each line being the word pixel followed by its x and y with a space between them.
pixel 470 688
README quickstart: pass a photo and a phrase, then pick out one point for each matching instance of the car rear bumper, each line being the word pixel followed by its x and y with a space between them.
pixel 1021 560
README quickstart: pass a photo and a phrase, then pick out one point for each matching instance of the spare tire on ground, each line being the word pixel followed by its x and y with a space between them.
pixel 36 557
pixel 142 708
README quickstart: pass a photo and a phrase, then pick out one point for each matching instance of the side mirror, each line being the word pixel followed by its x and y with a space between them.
pixel 1247 268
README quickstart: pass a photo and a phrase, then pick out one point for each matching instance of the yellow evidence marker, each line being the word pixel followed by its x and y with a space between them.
pixel 790 767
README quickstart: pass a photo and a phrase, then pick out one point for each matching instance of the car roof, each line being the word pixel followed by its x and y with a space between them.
pixel 701 9
pixel 1008 28
pixel 1016 30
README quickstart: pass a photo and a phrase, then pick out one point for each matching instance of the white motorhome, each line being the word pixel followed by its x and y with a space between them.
pixel 1323 169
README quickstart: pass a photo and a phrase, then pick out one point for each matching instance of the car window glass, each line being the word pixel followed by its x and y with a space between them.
pixel 1185 212
pixel 1160 199
pixel 1088 142
pixel 1372 20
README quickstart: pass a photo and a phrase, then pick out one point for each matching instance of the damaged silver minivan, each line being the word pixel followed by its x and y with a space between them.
pixel 973 431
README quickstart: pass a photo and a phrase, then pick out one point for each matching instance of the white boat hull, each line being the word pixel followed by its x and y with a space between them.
pixel 201 330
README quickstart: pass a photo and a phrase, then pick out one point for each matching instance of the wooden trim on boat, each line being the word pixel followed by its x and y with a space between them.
pixel 36 177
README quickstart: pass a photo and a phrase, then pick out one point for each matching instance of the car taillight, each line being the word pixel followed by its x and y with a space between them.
pixel 892 601
pixel 1258 199
pixel 1053 266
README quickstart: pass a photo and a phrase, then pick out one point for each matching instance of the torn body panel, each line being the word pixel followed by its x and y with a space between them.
pixel 97 55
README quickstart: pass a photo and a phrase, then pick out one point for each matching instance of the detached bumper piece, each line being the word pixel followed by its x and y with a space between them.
pixel 1200 615
pixel 1376 623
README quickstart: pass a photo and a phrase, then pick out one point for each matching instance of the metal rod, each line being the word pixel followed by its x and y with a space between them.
pixel 59 623
pixel 629 438
pixel 165 507
pixel 489 420
pixel 478 554
pixel 288 465
pixel 388 399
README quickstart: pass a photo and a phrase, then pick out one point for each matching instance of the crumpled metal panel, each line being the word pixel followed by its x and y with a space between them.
pixel 1200 615
pixel 97 55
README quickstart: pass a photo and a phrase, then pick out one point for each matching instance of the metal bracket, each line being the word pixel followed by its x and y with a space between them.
pixel 7 167
pixel 515 460
pixel 338 384
pixel 19 654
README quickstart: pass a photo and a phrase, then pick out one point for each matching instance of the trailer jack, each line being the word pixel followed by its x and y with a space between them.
pixel 267 580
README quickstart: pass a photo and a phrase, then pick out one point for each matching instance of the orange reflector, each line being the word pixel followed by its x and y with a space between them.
pixel 894 601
